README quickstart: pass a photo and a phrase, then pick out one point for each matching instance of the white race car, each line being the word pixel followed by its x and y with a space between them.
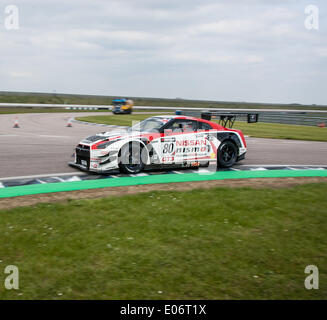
pixel 161 141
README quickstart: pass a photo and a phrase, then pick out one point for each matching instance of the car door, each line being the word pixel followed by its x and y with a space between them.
pixel 206 138
pixel 180 143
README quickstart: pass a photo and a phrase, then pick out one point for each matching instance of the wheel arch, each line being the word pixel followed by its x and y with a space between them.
pixel 232 136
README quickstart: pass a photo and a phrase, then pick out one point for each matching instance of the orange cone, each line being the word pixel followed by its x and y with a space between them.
pixel 16 123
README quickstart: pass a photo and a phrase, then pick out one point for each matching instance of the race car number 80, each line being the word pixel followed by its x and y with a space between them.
pixel 168 148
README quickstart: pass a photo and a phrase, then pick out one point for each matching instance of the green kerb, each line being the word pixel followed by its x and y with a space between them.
pixel 153 179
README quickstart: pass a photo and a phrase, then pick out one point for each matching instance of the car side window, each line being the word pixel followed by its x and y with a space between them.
pixel 175 127
pixel 204 126
pixel 181 125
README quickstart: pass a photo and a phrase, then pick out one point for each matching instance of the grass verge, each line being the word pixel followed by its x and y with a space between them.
pixel 282 131
pixel 218 243
pixel 259 130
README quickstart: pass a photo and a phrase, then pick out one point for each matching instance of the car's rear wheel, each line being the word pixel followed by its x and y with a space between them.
pixel 130 160
pixel 227 154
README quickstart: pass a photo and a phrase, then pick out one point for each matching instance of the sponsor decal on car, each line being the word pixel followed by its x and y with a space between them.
pixel 167 159
pixel 186 143
pixel 192 150
pixel 168 139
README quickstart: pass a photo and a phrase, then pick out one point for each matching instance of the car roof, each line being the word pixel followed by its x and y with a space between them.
pixel 213 124
pixel 175 117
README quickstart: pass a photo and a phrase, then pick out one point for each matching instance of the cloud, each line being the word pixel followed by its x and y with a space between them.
pixel 321 52
pixel 18 74
pixel 226 27
pixel 192 48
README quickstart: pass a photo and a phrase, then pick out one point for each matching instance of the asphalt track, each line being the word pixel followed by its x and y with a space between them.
pixel 44 144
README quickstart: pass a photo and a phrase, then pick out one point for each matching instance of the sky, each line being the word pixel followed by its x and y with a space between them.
pixel 227 50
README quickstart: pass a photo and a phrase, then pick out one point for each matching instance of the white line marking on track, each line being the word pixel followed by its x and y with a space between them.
pixel 204 170
pixel 8 135
pixel 74 178
pixel 49 175
pixel 139 175
pixel 178 172
pixel 76 174
pixel 50 136
pixel 40 181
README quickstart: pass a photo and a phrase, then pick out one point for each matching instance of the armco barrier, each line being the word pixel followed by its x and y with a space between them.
pixel 284 117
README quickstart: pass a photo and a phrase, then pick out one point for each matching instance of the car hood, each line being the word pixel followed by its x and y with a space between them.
pixel 113 135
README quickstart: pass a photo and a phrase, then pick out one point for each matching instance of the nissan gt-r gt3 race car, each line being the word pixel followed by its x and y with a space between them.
pixel 161 141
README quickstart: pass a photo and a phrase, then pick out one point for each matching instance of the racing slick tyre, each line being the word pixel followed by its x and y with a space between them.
pixel 131 158
pixel 227 154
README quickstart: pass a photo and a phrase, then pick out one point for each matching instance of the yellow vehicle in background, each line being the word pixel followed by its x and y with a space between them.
pixel 122 106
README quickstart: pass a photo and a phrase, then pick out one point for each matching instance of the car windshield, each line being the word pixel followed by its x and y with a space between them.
pixel 149 125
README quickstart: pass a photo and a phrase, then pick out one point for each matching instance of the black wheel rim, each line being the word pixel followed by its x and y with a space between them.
pixel 227 153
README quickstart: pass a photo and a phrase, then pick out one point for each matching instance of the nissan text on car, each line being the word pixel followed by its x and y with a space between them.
pixel 161 142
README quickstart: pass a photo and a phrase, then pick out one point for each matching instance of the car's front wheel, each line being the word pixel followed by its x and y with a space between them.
pixel 130 160
pixel 227 154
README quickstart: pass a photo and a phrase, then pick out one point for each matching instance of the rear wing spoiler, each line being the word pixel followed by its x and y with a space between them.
pixel 228 119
